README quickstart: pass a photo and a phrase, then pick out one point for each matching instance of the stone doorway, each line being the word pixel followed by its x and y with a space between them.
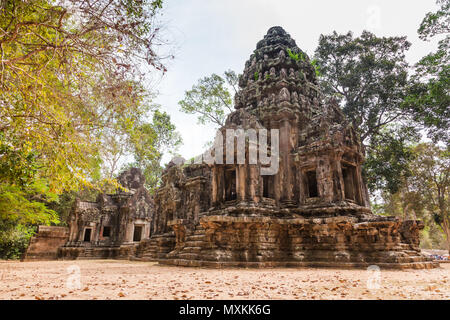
pixel 311 181
pixel 87 235
pixel 267 186
pixel 137 235
pixel 230 184
pixel 350 185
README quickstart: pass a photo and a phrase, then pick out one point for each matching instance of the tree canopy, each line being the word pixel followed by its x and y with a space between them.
pixel 211 98
pixel 425 193
pixel 68 71
pixel 429 94
pixel 368 76
pixel 72 75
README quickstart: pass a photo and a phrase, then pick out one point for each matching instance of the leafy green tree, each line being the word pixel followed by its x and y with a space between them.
pixel 425 193
pixel 429 97
pixel 388 157
pixel 368 76
pixel 210 98
pixel 150 142
pixel 14 239
pixel 69 72
pixel 22 191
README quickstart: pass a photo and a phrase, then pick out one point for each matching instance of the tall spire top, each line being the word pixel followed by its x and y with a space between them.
pixel 278 71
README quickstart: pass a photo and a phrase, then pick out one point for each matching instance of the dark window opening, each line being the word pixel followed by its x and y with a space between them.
pixel 266 186
pixel 137 233
pixel 87 235
pixel 106 232
pixel 230 185
pixel 349 176
pixel 311 179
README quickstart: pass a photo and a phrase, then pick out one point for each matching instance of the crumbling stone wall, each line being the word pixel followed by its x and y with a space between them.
pixel 44 245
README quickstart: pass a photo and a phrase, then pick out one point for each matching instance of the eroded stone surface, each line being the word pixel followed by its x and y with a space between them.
pixel 44 245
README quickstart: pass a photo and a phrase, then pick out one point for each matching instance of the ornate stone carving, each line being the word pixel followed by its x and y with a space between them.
pixel 272 72
pixel 294 97
pixel 284 95
pixel 291 73
pixel 283 74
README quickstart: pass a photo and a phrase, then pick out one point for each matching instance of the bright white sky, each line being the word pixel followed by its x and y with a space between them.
pixel 215 35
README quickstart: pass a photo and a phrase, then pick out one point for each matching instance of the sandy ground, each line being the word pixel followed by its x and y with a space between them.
pixel 113 279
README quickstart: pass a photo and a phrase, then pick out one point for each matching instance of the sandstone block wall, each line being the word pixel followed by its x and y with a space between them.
pixel 44 245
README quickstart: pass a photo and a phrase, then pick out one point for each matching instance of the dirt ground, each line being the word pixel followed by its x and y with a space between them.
pixel 113 279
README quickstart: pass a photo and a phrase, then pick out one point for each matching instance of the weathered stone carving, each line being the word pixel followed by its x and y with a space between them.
pixel 283 74
pixel 272 72
pixel 284 95
pixel 294 97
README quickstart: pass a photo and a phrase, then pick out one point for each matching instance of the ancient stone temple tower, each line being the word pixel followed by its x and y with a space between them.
pixel 312 211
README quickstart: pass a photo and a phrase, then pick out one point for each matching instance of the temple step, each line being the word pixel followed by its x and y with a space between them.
pixel 195 237
pixel 199 231
pixel 192 249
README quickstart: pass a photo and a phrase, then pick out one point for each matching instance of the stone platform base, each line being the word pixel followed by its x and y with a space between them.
pixel 266 242
pixel 296 264
pixel 44 245
pixel 92 253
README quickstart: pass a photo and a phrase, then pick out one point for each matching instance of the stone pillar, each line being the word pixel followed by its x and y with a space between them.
pixel 214 186
pixel 129 230
pixel 298 180
pixel 338 179
pixel 220 183
pixel 253 183
pixel 241 179
pixel 285 150
pixel 96 229
pixel 359 190
pixel 301 185
pixel 324 178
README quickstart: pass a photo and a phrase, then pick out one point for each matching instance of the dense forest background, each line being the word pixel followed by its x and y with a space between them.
pixel 76 108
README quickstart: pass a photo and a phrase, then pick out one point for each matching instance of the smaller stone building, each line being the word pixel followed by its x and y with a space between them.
pixel 111 226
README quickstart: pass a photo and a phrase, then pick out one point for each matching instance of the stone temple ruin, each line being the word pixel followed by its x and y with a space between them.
pixel 314 211
pixel 110 227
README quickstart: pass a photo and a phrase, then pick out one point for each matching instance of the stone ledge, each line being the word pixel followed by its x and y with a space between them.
pixel 296 264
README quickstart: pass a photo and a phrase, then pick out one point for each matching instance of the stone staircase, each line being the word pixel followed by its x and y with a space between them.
pixel 147 250
pixel 155 248
pixel 87 254
pixel 411 255
pixel 194 244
